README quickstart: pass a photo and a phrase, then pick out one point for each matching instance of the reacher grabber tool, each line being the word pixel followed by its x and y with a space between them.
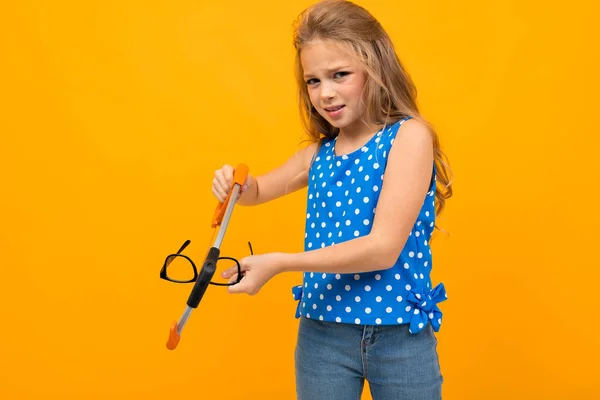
pixel 221 218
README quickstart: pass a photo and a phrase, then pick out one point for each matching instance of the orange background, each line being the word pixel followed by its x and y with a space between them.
pixel 114 115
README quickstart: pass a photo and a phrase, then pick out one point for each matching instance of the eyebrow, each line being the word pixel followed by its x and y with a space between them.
pixel 330 70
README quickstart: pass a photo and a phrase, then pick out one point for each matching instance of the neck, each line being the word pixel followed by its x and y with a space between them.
pixel 358 131
pixel 354 136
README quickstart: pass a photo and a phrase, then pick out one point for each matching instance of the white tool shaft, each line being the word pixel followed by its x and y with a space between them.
pixel 227 216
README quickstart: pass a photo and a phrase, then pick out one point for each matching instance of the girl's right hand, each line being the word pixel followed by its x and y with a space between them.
pixel 223 182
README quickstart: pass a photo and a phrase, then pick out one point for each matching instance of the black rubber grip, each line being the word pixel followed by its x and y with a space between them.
pixel 206 274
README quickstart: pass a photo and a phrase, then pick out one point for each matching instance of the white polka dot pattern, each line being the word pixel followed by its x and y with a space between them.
pixel 342 196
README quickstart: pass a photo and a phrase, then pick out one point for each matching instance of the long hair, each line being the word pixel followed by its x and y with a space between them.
pixel 390 92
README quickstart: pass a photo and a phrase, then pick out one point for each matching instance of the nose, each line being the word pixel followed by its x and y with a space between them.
pixel 327 92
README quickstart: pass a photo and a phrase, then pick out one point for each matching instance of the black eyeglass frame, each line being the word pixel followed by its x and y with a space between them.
pixel 209 265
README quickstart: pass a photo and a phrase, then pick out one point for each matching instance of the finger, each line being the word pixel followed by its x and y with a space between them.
pixel 218 195
pixel 229 272
pixel 228 172
pixel 221 178
pixel 233 278
pixel 225 177
pixel 218 190
pixel 242 287
pixel 248 183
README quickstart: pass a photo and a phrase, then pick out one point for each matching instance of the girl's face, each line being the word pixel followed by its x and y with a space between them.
pixel 335 83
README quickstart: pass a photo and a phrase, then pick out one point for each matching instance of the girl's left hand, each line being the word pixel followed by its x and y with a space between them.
pixel 257 270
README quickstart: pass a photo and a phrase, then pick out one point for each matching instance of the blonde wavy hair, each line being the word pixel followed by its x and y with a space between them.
pixel 390 91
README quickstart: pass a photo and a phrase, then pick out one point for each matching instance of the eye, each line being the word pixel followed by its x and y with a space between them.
pixel 312 81
pixel 340 74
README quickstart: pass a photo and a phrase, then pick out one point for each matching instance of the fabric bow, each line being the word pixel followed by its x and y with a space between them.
pixel 297 292
pixel 425 308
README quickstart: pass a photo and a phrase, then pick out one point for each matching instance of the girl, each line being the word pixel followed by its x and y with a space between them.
pixel 367 307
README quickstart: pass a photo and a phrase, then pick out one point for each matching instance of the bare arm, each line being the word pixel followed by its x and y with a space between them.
pixel 407 179
pixel 285 179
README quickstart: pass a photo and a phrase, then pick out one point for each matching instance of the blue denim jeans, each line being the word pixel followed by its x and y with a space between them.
pixel 333 360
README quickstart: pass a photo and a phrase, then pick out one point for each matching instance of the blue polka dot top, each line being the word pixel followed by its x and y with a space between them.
pixel 342 197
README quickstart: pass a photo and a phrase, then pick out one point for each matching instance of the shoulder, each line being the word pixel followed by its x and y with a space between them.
pixel 415 129
pixel 413 135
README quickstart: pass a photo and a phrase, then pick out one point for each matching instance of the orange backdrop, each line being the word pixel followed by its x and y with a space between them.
pixel 114 115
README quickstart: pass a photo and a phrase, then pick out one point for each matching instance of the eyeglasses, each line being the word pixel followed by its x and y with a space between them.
pixel 181 272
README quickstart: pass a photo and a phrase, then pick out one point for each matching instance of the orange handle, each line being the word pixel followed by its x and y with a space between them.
pixel 239 178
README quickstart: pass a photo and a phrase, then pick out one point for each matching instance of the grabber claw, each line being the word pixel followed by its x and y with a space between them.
pixel 220 218
pixel 173 337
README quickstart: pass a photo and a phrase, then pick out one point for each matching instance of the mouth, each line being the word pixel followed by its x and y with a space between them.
pixel 334 112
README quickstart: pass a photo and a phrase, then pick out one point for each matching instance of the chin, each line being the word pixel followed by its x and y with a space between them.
pixel 340 123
